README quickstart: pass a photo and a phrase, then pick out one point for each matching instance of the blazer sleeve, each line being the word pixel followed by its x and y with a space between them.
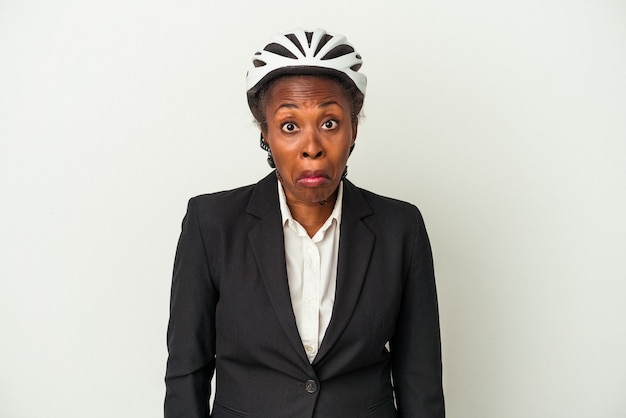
pixel 191 329
pixel 416 345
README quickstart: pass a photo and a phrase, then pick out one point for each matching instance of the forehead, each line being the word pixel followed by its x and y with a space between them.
pixel 306 88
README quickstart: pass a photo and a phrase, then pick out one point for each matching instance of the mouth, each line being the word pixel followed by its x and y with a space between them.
pixel 313 178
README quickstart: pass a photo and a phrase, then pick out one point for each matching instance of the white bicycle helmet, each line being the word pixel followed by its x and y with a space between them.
pixel 301 52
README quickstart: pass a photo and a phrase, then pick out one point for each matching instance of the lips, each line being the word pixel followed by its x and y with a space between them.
pixel 313 178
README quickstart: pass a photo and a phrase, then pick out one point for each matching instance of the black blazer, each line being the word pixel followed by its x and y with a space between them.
pixel 231 312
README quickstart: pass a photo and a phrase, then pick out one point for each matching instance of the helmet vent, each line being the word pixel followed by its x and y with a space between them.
pixel 279 50
pixel 338 51
pixel 323 42
pixel 295 41
pixel 304 52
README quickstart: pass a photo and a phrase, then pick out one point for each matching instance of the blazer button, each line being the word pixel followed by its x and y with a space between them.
pixel 310 386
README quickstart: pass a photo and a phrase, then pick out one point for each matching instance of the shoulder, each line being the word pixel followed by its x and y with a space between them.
pixel 386 203
pixel 223 201
pixel 228 206
pixel 239 198
pixel 389 210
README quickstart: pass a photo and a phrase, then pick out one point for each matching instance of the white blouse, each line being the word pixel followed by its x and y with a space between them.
pixel 311 272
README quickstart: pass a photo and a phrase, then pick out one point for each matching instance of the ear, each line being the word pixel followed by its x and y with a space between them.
pixel 355 129
pixel 262 143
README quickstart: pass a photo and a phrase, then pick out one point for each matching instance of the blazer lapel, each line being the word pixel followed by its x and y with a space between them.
pixel 356 242
pixel 267 242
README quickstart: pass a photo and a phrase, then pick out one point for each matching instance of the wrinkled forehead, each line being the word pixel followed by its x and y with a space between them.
pixel 302 86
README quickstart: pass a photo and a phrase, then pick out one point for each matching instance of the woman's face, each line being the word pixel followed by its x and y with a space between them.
pixel 309 131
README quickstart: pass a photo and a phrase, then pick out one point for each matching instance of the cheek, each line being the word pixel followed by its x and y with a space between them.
pixel 283 156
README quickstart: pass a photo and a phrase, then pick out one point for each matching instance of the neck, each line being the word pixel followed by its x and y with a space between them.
pixel 312 216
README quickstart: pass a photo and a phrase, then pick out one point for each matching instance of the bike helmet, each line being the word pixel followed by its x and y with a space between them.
pixel 301 52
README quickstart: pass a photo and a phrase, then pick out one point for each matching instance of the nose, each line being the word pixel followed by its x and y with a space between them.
pixel 312 146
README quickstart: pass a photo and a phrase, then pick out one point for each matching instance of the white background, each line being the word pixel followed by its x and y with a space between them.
pixel 504 121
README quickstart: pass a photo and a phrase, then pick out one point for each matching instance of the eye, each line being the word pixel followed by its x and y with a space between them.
pixel 330 124
pixel 289 127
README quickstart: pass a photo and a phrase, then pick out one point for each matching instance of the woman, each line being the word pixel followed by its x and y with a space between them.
pixel 307 296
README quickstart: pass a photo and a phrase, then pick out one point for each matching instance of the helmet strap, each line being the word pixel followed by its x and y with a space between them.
pixel 272 164
pixel 265 147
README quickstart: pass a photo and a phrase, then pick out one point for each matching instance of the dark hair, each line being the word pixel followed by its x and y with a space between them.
pixel 257 104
